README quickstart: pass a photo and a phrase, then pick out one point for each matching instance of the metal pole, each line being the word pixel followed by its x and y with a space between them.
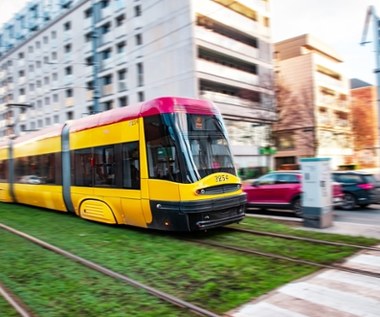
pixel 95 56
pixel 371 13
pixel 376 39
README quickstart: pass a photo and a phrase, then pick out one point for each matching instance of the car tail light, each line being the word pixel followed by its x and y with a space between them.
pixel 368 186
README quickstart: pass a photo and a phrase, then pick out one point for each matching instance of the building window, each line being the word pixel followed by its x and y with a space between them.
pixel 123 101
pixel 140 96
pixel 108 105
pixel 105 28
pixel 88 13
pixel 104 3
pixel 67 48
pixel 120 47
pixel 69 115
pixel 67 26
pixel 120 20
pixel 69 93
pixel 107 80
pixel 138 38
pixel 88 37
pixel 140 74
pixel 68 70
pixel 88 61
pixel 137 11
pixel 122 78
pixel 106 54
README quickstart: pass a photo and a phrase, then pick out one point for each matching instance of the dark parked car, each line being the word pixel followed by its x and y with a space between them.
pixel 282 190
pixel 359 188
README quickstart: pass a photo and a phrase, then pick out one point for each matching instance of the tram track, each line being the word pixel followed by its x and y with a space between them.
pixel 20 307
pixel 288 258
pixel 298 238
pixel 285 258
pixel 103 270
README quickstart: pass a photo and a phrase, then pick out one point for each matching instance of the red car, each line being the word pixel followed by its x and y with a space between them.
pixel 282 190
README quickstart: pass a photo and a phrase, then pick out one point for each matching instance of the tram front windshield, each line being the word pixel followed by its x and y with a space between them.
pixel 184 147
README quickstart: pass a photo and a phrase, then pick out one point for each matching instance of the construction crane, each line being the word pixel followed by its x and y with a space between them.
pixel 371 16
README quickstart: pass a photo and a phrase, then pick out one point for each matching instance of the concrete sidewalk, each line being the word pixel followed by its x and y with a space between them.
pixel 327 293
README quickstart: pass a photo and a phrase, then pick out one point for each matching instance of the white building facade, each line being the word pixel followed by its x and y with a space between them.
pixel 65 59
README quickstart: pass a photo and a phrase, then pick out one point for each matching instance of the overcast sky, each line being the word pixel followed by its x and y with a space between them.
pixel 338 23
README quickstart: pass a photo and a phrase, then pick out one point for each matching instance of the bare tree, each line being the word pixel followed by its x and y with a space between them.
pixel 296 119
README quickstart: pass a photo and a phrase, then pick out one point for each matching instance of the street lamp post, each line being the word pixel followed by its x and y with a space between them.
pixel 15 124
pixel 371 13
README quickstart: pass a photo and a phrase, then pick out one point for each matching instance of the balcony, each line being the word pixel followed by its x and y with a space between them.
pixel 220 42
pixel 89 95
pixel 235 107
pixel 122 85
pixel 21 99
pixel 227 73
pixel 69 102
pixel 107 90
pixel 106 12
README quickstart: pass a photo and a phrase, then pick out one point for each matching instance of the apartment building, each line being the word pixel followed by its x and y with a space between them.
pixel 313 97
pixel 365 117
pixel 65 59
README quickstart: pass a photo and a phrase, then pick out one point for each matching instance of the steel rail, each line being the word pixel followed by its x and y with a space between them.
pixel 285 258
pixel 291 237
pixel 15 302
pixel 92 265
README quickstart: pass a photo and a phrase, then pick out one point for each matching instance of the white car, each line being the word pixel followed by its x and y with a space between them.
pixel 31 179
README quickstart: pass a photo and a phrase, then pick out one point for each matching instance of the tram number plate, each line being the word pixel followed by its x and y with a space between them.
pixel 221 178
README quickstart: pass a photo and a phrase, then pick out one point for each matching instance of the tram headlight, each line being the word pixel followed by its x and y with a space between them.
pixel 200 191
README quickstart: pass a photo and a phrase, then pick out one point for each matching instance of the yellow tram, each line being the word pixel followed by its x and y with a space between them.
pixel 162 164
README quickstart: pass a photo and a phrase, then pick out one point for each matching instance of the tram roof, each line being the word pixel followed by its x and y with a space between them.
pixel 145 109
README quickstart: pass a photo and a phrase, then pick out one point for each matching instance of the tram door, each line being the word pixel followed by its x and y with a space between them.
pixel 131 201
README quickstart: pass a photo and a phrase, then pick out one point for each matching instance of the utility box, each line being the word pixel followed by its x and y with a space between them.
pixel 317 192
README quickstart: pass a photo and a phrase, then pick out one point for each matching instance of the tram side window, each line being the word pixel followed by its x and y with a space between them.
pixel 38 169
pixel 163 162
pixel 131 165
pixel 104 165
pixel 3 171
pixel 82 167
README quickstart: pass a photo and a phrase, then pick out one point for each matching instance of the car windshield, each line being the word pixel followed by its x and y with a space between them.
pixel 369 179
